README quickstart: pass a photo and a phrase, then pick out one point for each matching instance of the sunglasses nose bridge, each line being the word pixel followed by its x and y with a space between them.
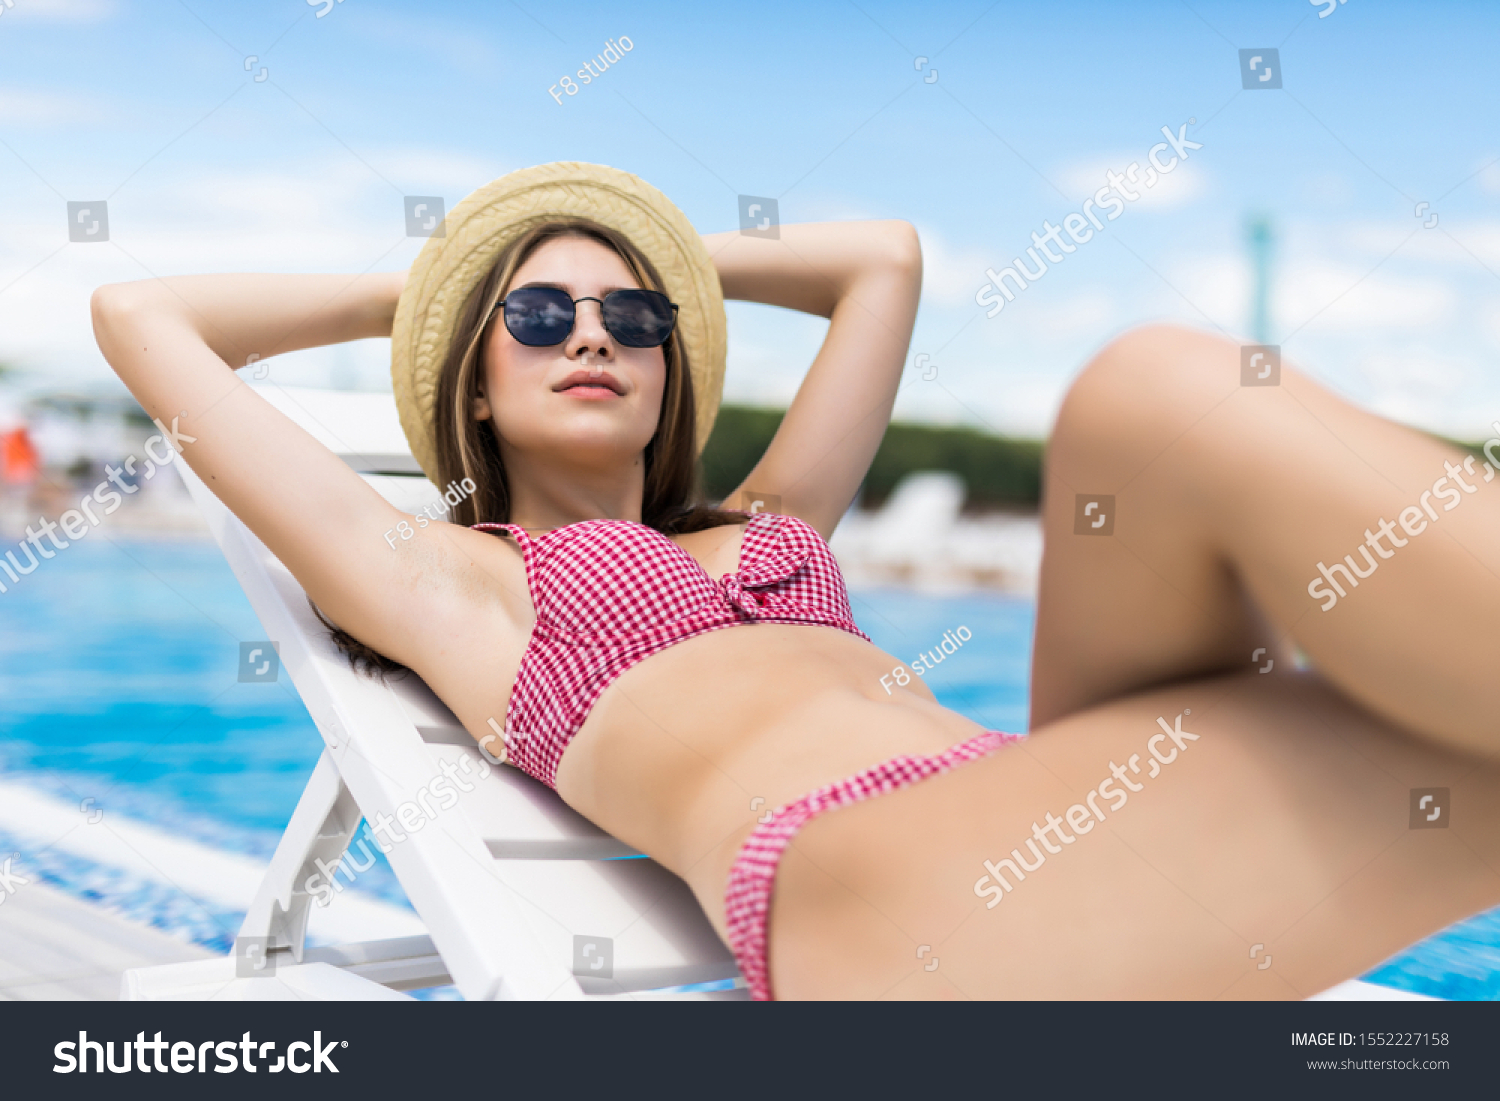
pixel 598 318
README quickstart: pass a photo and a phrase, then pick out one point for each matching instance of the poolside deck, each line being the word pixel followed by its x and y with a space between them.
pixel 56 948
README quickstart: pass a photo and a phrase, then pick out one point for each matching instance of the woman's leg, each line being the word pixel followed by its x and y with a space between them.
pixel 1226 499
pixel 1274 856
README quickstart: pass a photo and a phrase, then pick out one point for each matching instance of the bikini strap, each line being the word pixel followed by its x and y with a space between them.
pixel 528 550
pixel 515 530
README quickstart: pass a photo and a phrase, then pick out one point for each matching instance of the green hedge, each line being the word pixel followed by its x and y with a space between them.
pixel 999 471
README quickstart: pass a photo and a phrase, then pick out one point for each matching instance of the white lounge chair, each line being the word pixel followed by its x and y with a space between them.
pixel 522 897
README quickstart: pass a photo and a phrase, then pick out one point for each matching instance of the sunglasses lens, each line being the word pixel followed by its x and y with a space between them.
pixel 638 319
pixel 539 316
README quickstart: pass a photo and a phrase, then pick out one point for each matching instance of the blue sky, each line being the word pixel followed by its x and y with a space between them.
pixel 1384 105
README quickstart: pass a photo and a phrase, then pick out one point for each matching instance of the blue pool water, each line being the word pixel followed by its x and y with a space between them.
pixel 118 682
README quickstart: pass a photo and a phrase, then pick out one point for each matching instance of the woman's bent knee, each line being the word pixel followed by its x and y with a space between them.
pixel 1151 366
pixel 1142 389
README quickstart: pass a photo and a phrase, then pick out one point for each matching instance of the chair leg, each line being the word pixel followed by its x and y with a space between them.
pixel 313 844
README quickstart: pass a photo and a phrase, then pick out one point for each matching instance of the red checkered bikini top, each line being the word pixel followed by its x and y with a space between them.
pixel 610 593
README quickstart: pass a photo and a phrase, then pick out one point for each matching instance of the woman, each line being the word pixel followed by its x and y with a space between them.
pixel 1182 821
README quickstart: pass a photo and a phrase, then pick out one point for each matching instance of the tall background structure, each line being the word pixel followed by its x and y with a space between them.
pixel 1261 238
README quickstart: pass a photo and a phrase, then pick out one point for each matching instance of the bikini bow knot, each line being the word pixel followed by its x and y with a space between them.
pixel 738 588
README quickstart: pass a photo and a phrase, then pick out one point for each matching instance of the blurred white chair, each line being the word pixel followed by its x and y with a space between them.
pixel 918 518
pixel 909 540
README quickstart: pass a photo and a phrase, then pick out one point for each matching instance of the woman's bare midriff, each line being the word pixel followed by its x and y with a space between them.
pixel 686 750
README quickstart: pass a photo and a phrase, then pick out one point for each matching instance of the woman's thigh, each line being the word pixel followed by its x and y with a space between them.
pixel 1225 500
pixel 1277 854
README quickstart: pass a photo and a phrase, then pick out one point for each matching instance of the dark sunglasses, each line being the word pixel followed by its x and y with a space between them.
pixel 540 317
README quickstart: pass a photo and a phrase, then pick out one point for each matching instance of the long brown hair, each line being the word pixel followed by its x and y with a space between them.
pixel 671 502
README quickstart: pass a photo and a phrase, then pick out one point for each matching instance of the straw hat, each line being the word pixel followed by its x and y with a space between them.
pixel 478 229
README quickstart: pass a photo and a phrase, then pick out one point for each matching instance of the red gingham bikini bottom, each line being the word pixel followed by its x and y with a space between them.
pixel 747 900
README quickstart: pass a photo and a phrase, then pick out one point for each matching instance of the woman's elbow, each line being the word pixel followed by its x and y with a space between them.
pixel 903 247
pixel 109 305
pixel 112 308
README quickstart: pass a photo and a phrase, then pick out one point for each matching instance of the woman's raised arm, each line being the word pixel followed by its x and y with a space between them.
pixel 866 277
pixel 172 342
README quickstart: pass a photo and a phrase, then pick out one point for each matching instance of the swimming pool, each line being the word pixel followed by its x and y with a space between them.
pixel 118 683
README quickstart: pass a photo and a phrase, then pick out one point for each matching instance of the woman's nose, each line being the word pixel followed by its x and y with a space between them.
pixel 589 334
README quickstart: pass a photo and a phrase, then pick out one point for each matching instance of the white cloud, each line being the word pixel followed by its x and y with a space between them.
pixel 823 208
pixel 450 174
pixel 994 396
pixel 1489 176
pixel 1480 241
pixel 1184 184
pixel 1330 189
pixel 1414 385
pixel 323 214
pixel 61 11
pixel 1212 284
pixel 1453 242
pixel 458 45
pixel 1039 319
pixel 28 107
pixel 1318 287
pixel 1488 318
pixel 1331 295
pixel 1398 341
pixel 770 351
pixel 950 276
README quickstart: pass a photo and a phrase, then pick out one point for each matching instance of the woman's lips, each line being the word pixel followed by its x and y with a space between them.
pixel 589 382
pixel 589 392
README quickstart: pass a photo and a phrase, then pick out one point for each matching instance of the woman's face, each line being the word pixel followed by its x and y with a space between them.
pixel 587 399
